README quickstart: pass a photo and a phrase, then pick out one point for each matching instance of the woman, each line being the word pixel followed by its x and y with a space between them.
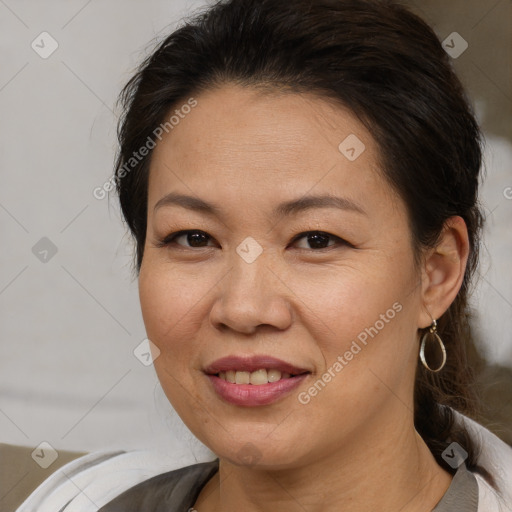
pixel 301 181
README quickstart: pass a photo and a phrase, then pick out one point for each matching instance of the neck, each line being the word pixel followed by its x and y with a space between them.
pixel 385 469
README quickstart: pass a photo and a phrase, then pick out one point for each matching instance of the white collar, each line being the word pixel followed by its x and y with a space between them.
pixel 496 457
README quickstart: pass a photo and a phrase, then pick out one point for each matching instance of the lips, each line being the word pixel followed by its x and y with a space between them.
pixel 252 364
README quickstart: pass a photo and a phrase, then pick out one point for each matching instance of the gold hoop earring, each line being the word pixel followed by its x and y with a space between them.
pixel 432 331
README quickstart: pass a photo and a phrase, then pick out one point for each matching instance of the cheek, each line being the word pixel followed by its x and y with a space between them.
pixel 350 301
pixel 370 320
pixel 175 304
pixel 165 303
pixel 154 295
pixel 176 300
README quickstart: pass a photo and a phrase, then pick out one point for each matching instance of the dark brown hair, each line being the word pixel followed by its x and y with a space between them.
pixel 388 67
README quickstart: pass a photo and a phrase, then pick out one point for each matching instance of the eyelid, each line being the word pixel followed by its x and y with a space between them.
pixel 168 239
pixel 303 234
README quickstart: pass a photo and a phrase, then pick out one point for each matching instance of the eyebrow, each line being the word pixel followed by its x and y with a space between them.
pixel 286 208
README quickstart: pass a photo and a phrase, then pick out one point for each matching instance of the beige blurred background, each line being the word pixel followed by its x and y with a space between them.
pixel 70 317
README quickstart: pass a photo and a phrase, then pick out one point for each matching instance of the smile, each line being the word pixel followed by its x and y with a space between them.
pixel 257 378
pixel 251 395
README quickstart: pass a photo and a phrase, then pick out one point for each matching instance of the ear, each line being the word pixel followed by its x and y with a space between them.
pixel 443 270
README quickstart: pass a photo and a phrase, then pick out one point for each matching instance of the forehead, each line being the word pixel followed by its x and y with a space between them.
pixel 241 143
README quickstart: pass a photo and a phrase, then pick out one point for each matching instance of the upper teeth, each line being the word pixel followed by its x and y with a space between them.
pixel 258 377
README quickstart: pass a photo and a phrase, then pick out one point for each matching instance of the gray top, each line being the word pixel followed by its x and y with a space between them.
pixel 177 491
pixel 462 495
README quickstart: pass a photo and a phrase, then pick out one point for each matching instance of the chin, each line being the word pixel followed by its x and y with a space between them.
pixel 264 455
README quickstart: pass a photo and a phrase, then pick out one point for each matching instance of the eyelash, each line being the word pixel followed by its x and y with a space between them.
pixel 169 239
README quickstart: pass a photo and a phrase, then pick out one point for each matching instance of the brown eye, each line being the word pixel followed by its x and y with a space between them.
pixel 319 240
pixel 195 238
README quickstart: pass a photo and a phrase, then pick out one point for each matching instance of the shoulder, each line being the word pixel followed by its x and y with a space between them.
pixel 111 481
pixel 90 481
pixel 496 458
pixel 173 491
pixel 24 468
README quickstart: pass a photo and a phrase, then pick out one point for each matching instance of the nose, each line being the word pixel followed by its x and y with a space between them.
pixel 251 295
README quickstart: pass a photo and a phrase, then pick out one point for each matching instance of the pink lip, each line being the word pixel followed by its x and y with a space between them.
pixel 250 395
pixel 251 364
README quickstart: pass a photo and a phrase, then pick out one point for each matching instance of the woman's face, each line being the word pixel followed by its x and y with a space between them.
pixel 343 305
